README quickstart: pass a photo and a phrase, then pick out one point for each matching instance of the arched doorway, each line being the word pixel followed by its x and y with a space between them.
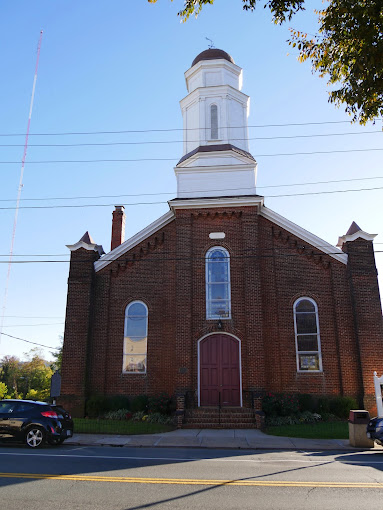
pixel 219 371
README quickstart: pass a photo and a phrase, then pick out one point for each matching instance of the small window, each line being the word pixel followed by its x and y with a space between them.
pixel 218 284
pixel 135 338
pixel 307 335
pixel 214 122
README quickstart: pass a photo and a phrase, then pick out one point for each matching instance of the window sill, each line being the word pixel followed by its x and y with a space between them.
pixel 211 319
pixel 310 372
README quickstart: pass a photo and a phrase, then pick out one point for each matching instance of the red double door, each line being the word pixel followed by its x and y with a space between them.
pixel 219 371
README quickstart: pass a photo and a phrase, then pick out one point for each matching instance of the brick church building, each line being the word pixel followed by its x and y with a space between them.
pixel 221 299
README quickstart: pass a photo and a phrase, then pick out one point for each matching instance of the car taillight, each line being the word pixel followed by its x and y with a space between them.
pixel 49 414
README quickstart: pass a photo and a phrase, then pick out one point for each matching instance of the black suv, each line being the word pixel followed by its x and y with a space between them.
pixel 375 430
pixel 34 423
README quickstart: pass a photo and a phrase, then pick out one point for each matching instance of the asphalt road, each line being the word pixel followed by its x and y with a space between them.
pixel 70 477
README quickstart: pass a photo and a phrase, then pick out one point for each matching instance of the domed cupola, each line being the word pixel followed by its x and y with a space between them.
pixel 212 54
pixel 215 113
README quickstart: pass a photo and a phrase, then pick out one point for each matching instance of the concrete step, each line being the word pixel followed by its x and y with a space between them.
pixel 233 417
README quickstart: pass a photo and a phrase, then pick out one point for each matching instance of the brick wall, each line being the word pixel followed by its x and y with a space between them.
pixel 270 268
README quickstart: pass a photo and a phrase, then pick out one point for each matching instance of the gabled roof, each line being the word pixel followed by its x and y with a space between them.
pixel 301 233
pixel 305 235
pixel 134 240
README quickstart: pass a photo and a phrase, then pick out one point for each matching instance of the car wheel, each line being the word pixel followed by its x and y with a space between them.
pixel 35 437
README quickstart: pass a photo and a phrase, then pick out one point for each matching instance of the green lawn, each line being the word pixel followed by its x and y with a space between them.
pixel 89 426
pixel 324 430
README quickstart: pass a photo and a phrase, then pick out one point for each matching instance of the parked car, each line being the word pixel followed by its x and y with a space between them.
pixel 375 430
pixel 34 423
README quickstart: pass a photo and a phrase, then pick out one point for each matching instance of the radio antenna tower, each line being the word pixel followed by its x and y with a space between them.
pixel 20 186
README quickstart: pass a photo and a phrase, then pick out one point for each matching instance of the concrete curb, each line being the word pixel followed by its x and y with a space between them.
pixel 230 439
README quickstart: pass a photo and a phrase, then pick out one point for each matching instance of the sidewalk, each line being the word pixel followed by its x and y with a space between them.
pixel 210 438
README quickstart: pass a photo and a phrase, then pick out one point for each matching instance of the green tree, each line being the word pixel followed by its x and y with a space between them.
pixel 347 50
pixel 10 374
pixel 280 9
pixel 30 378
pixel 3 390
pixel 58 357
pixel 36 375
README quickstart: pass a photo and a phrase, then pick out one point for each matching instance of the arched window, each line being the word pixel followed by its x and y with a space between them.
pixel 135 338
pixel 214 122
pixel 307 338
pixel 218 284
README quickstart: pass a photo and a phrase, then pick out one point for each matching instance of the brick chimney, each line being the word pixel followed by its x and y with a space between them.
pixel 118 226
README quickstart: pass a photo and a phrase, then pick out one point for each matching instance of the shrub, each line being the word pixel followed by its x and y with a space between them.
pixel 323 406
pixel 139 403
pixel 289 404
pixel 282 404
pixel 295 419
pixel 307 403
pixel 96 405
pixel 117 402
pixel 270 405
pixel 340 406
pixel 161 403
pixel 120 414
pixel 138 415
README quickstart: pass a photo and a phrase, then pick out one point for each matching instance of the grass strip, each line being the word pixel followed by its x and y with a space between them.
pixel 94 426
pixel 324 430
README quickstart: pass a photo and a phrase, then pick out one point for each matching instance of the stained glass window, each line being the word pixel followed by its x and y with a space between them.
pixel 135 338
pixel 307 335
pixel 218 284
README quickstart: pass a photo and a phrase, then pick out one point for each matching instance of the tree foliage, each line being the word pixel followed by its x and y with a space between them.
pixel 29 379
pixel 347 50
pixel 3 390
pixel 280 9
pixel 58 356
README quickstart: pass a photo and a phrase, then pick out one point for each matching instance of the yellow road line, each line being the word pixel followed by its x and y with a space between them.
pixel 187 481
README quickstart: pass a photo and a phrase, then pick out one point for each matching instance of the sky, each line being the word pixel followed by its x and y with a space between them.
pixel 110 78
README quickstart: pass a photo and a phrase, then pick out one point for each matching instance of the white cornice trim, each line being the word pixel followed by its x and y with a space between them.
pixel 133 241
pixel 360 234
pixel 86 246
pixel 248 165
pixel 219 91
pixel 305 235
pixel 211 64
pixel 204 203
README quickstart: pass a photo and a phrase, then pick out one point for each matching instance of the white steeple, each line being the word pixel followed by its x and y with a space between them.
pixel 215 161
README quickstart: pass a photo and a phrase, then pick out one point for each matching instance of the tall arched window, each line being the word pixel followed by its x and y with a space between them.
pixel 307 338
pixel 214 122
pixel 135 338
pixel 218 284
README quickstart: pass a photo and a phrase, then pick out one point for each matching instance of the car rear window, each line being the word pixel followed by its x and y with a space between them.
pixel 25 406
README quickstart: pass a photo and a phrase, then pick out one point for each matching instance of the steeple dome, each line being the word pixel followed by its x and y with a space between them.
pixel 212 54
